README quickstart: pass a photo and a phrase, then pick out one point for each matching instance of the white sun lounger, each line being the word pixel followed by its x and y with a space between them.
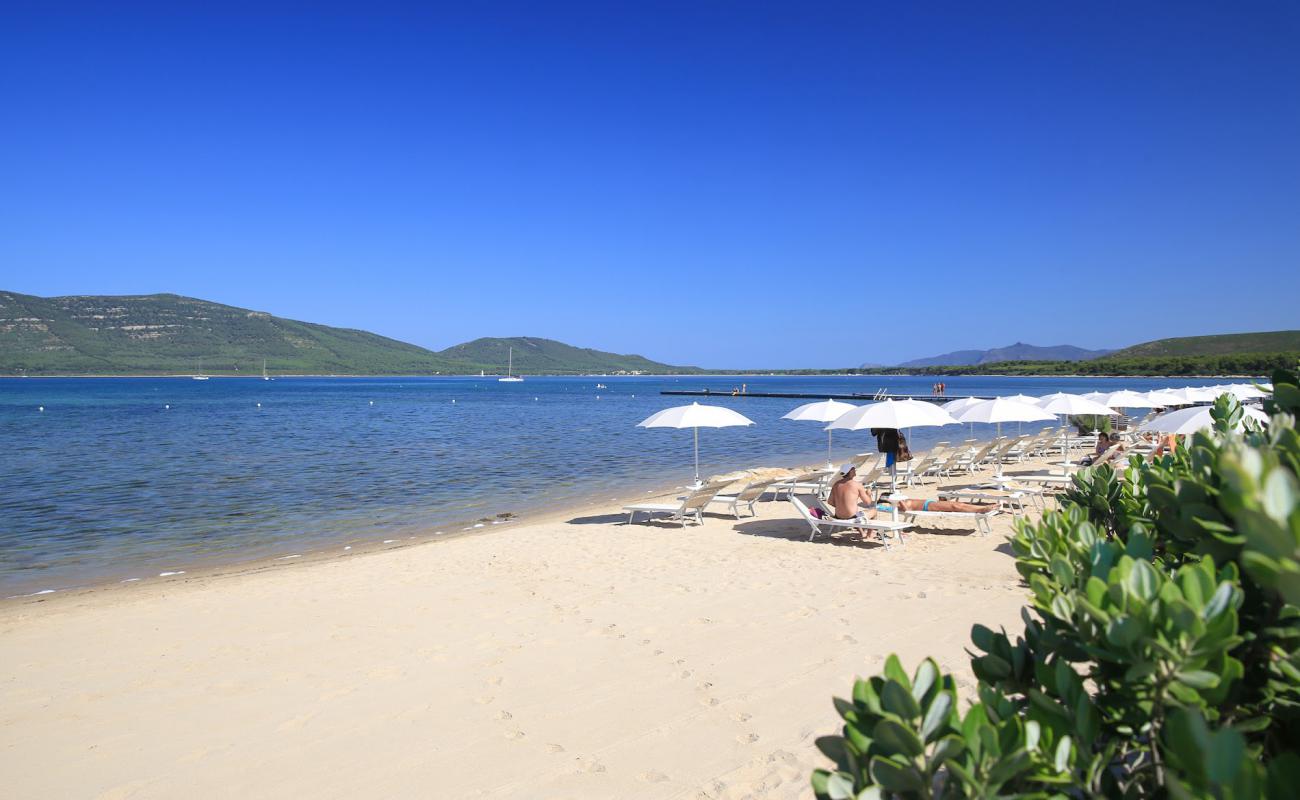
pixel 747 496
pixel 1011 500
pixel 980 518
pixel 888 528
pixel 692 505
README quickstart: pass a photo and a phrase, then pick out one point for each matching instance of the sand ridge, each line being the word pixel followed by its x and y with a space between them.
pixel 570 657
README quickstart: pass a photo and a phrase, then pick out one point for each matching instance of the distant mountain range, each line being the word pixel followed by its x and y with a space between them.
pixel 1016 352
pixel 170 334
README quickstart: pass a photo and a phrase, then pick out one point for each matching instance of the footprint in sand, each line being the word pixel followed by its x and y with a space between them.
pixel 742 717
pixel 514 734
pixel 505 715
pixel 747 738
pixel 710 701
pixel 846 638
pixel 645 641
pixel 659 652
pixel 484 699
pixel 653 776
pixel 495 680
pixel 704 686
pixel 591 766
pixel 555 748
pixel 684 674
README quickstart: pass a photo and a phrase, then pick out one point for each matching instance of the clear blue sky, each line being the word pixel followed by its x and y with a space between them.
pixel 730 184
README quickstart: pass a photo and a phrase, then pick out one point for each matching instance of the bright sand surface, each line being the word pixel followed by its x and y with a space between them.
pixel 562 657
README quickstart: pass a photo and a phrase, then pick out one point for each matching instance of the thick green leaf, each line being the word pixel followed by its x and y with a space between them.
pixel 894 776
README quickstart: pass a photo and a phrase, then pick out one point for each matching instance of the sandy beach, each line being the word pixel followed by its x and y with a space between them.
pixel 570 656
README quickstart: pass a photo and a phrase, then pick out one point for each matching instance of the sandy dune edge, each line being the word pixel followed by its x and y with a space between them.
pixel 573 657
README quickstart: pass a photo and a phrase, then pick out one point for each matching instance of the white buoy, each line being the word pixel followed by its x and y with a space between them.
pixel 453 402
pixel 259 405
pixel 167 407
pixel 372 402
pixel 40 408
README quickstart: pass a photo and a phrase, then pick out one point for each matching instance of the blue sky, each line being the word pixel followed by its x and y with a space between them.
pixel 729 184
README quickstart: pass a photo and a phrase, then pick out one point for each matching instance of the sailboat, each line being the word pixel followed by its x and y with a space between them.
pixel 265 377
pixel 510 367
pixel 200 376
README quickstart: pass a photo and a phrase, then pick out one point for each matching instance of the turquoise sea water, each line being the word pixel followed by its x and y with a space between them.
pixel 107 483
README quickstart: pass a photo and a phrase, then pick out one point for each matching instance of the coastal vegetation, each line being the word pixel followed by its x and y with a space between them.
pixel 1160 654
pixel 169 334
pixel 1248 363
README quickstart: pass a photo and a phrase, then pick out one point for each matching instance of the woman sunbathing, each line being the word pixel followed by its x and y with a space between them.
pixel 882 504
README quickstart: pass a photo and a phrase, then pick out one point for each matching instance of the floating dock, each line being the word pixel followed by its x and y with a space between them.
pixel 858 396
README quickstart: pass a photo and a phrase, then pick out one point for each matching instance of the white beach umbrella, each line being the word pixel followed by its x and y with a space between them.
pixel 1244 391
pixel 1126 398
pixel 1022 398
pixel 824 411
pixel 954 406
pixel 1192 395
pixel 1191 420
pixel 1065 404
pixel 695 416
pixel 1096 397
pixel 896 414
pixel 1163 398
pixel 1000 410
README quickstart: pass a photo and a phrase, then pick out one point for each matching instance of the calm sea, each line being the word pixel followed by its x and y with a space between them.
pixel 123 478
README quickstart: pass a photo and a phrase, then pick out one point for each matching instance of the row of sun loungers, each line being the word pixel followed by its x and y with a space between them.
pixel 806 491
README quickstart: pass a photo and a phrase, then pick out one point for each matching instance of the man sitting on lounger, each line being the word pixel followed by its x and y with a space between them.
pixel 848 493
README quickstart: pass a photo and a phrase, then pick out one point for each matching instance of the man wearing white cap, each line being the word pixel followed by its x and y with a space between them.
pixel 847 494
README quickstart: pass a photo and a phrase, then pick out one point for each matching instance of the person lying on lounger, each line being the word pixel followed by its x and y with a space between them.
pixel 848 494
pixel 883 504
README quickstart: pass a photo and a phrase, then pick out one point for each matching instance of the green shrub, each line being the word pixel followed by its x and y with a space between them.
pixel 1160 655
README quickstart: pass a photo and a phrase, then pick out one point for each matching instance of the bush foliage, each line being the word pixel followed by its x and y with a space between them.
pixel 1160 655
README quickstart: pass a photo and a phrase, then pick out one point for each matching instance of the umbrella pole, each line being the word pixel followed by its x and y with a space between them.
pixel 696 431
pixel 829 436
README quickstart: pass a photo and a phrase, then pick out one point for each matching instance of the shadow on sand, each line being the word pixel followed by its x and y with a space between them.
pixel 793 530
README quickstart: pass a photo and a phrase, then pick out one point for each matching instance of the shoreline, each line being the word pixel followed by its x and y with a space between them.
pixel 766 374
pixel 575 656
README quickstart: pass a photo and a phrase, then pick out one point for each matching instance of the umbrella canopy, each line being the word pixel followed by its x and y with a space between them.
pixel 1000 410
pixel 1163 398
pixel 1096 397
pixel 1022 398
pixel 695 416
pixel 893 414
pixel 1064 403
pixel 1067 404
pixel 1126 398
pixel 1190 396
pixel 1244 391
pixel 824 411
pixel 1191 420
pixel 953 406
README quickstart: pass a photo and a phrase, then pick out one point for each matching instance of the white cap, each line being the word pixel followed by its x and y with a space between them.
pixel 846 468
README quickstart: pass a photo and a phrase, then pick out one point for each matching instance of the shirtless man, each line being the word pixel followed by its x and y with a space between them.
pixel 847 494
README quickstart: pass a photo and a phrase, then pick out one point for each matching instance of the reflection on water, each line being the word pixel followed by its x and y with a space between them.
pixel 108 482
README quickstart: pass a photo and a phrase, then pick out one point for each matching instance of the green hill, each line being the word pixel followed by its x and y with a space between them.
pixel 169 334
pixel 1219 345
pixel 549 357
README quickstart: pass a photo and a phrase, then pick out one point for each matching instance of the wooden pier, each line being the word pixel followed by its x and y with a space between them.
pixel 869 397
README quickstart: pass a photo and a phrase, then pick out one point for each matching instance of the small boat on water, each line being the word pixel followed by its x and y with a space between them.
pixel 199 376
pixel 265 377
pixel 510 367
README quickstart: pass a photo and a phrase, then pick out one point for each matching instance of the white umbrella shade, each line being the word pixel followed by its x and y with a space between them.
pixel 1000 410
pixel 695 416
pixel 1191 420
pixel 1163 398
pixel 895 414
pixel 1244 391
pixel 1022 398
pixel 1126 398
pixel 953 406
pixel 1096 397
pixel 824 411
pixel 1190 396
pixel 1066 404
pixel 1063 403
